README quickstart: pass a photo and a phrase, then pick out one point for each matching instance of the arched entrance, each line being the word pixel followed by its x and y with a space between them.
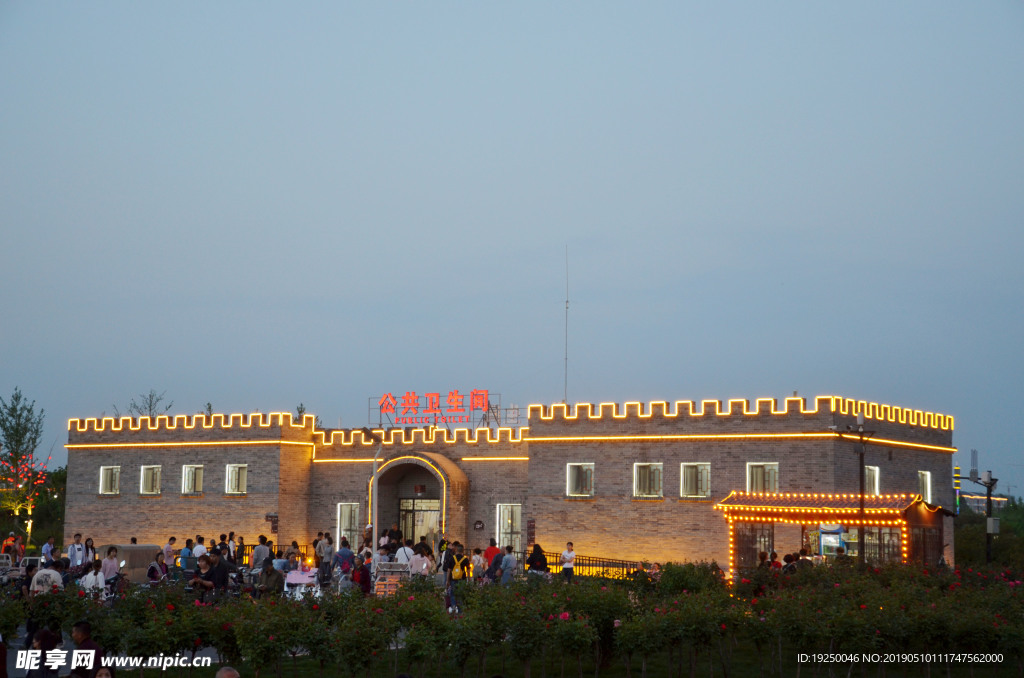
pixel 420 493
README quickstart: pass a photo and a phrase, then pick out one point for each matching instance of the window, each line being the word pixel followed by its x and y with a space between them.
pixel 234 481
pixel 348 526
pixel 579 480
pixel 510 529
pixel 110 480
pixel 871 480
pixel 924 485
pixel 150 482
pixel 762 477
pixel 695 480
pixel 647 480
pixel 191 479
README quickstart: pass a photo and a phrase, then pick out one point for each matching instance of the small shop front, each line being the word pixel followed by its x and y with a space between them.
pixel 896 527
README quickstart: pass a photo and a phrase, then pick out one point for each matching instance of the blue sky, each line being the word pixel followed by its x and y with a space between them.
pixel 257 205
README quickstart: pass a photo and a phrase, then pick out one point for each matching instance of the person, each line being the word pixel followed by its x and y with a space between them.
pixel 110 566
pixel 493 571
pixel 90 551
pixel 157 571
pixel 81 633
pixel 775 564
pixel 292 563
pixel 45 642
pixel 134 541
pixel 293 550
pixel 805 562
pixel 537 563
pixel 93 580
pixel 383 539
pixel 19 549
pixel 419 563
pixel 223 544
pixel 762 561
pixel 326 551
pixel 271 580
pixel 367 549
pixel 361 576
pixel 48 578
pixel 442 546
pixel 491 551
pixel 202 581
pixel 841 558
pixel 219 570
pixel 8 543
pixel 790 565
pixel 200 548
pixel 427 550
pixel 231 547
pixel 508 566
pixel 568 561
pixel 239 550
pixel 169 551
pixel 316 544
pixel 76 552
pixel 48 551
pixel 281 563
pixel 395 535
pixel 260 553
pixel 228 672
pixel 479 564
pixel 186 552
pixel 344 557
pixel 404 554
pixel 457 575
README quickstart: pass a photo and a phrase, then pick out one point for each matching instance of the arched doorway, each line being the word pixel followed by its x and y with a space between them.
pixel 425 494
pixel 409 495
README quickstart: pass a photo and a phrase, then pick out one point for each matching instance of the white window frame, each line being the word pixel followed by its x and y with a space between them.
pixel 155 470
pixel 192 472
pixel 513 534
pixel 116 480
pixel 661 480
pixel 231 471
pixel 702 468
pixel 925 476
pixel 587 468
pixel 355 540
pixel 872 488
pixel 766 464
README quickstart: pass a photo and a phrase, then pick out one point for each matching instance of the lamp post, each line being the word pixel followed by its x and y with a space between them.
pixel 990 524
pixel 862 435
pixel 367 433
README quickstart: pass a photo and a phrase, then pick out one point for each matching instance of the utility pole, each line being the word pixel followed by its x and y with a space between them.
pixel 989 483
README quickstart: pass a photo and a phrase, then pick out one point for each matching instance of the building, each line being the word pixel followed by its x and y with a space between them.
pixel 632 481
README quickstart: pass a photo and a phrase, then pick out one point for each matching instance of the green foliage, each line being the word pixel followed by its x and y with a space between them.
pixel 21 428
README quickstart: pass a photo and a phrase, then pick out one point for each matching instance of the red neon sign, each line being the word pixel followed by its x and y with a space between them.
pixel 411 408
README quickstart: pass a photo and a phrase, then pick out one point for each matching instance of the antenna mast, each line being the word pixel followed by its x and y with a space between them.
pixel 565 384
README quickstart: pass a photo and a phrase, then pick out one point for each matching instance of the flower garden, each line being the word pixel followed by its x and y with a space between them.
pixel 687 622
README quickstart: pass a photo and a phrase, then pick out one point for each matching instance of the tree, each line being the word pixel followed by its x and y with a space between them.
pixel 208 410
pixel 20 427
pixel 148 405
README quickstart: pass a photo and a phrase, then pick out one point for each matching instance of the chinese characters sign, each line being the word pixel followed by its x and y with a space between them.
pixel 413 409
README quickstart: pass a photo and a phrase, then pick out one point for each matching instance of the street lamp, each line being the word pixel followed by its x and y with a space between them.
pixel 990 484
pixel 367 433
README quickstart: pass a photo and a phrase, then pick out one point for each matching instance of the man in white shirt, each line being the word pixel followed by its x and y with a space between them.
pixel 260 553
pixel 404 554
pixel 568 560
pixel 48 578
pixel 200 548
pixel 76 551
pixel 48 551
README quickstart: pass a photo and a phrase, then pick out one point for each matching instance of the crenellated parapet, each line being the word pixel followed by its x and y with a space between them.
pixel 740 407
pixel 418 436
pixel 187 422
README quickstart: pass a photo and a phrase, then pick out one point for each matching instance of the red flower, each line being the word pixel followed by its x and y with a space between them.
pixel 564 616
pixel 315 606
pixel 271 638
pixel 81 594
pixel 170 607
pixel 863 607
pixel 723 627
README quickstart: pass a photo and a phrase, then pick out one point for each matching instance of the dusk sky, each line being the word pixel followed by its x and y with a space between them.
pixel 256 205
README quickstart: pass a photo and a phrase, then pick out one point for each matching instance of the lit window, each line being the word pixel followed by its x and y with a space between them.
pixel 762 477
pixel 191 479
pixel 871 480
pixel 150 481
pixel 110 480
pixel 695 480
pixel 924 485
pixel 510 531
pixel 348 525
pixel 647 480
pixel 234 481
pixel 579 480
